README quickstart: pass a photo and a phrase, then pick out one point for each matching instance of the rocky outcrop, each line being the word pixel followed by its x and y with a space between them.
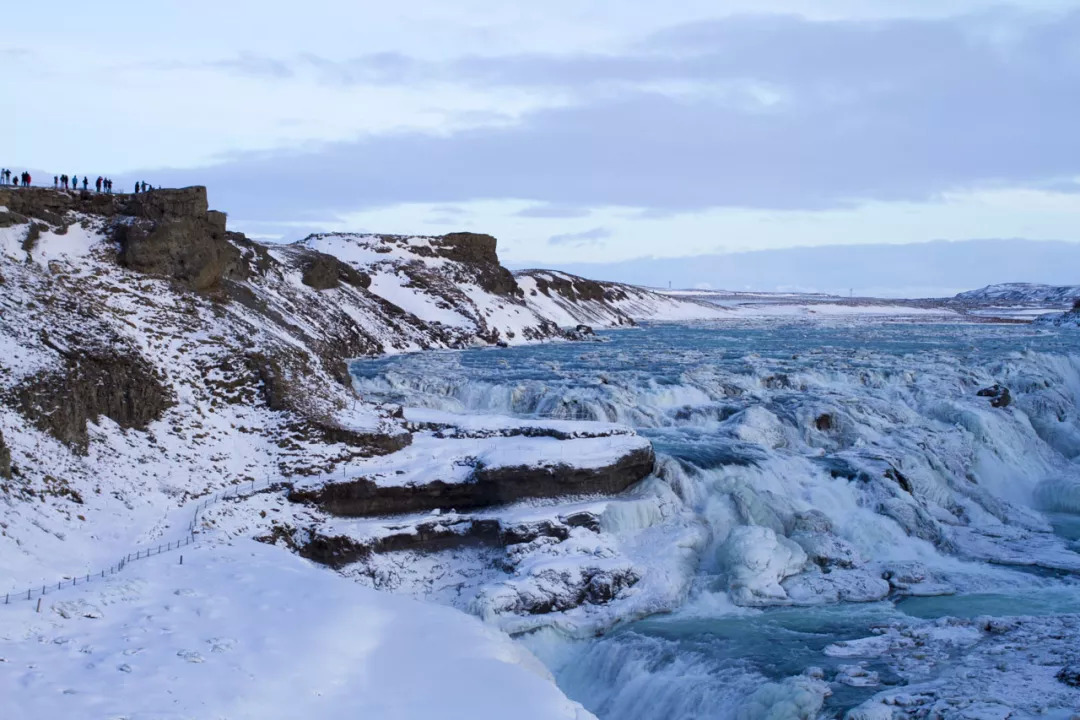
pixel 5 459
pixel 427 535
pixel 93 382
pixel 174 234
pixel 486 488
pixel 161 232
pixel 324 272
pixel 478 250
pixel 575 288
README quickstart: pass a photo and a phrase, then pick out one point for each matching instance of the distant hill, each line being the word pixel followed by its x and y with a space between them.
pixel 1023 293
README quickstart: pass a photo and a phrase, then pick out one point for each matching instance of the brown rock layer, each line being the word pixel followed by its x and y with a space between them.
pixel 488 487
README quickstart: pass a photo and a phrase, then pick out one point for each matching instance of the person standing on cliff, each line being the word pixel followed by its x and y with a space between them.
pixel 97 184
pixel 85 182
pixel 55 182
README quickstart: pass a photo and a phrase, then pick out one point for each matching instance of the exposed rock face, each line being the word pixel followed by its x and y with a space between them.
pixel 174 234
pixel 161 232
pixel 5 459
pixel 479 250
pixel 468 247
pixel 488 487
pixel 95 382
pixel 575 288
pixel 324 272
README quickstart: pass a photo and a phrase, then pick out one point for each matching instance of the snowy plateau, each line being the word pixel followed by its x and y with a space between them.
pixel 381 476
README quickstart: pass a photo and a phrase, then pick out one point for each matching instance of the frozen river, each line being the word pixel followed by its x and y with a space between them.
pixel 850 477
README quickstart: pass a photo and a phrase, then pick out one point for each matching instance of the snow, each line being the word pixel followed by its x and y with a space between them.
pixel 915 486
pixel 392 287
pixel 1027 293
pixel 628 301
pixel 829 310
pixel 246 630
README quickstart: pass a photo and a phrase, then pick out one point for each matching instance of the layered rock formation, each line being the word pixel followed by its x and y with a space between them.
pixel 155 355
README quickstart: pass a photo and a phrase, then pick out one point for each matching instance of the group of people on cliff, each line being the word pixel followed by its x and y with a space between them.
pixel 5 178
pixel 102 184
pixel 63 182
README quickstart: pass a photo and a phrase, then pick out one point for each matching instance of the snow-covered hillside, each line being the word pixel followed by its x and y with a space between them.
pixel 569 300
pixel 151 358
pixel 244 630
pixel 1023 294
pixel 455 282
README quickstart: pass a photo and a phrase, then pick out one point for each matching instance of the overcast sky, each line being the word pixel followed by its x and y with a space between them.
pixel 575 131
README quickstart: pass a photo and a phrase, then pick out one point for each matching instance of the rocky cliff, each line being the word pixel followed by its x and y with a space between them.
pixel 152 356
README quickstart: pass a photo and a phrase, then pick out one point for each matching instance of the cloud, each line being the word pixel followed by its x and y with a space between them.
pixel 587 237
pixel 746 112
pixel 255 66
pixel 549 210
pixel 450 210
pixel 925 269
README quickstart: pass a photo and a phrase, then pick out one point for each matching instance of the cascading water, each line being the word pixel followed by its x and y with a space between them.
pixel 920 470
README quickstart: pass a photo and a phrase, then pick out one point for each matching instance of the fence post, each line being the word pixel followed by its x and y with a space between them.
pixel 27 594
pixel 39 605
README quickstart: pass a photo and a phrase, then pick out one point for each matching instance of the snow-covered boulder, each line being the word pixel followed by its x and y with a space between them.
pixel 755 560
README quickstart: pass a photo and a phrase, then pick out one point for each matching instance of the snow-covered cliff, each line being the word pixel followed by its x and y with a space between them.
pixel 152 357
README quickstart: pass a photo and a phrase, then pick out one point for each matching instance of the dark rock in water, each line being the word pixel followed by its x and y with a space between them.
pixel 999 395
pixel 1070 675
pixel 825 422
pixel 780 381
pixel 899 478
pixel 488 487
pixel 584 330
pixel 324 272
pixel 5 459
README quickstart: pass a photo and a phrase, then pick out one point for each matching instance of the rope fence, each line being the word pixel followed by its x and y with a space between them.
pixel 237 491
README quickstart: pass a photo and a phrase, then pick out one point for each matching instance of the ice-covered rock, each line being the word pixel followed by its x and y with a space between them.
pixel 795 698
pixel 979 668
pixel 755 560
pixel 835 586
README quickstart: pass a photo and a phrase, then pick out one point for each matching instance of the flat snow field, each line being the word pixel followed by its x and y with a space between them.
pixel 247 630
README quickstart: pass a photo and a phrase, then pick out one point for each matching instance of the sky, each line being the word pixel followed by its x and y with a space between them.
pixel 576 131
